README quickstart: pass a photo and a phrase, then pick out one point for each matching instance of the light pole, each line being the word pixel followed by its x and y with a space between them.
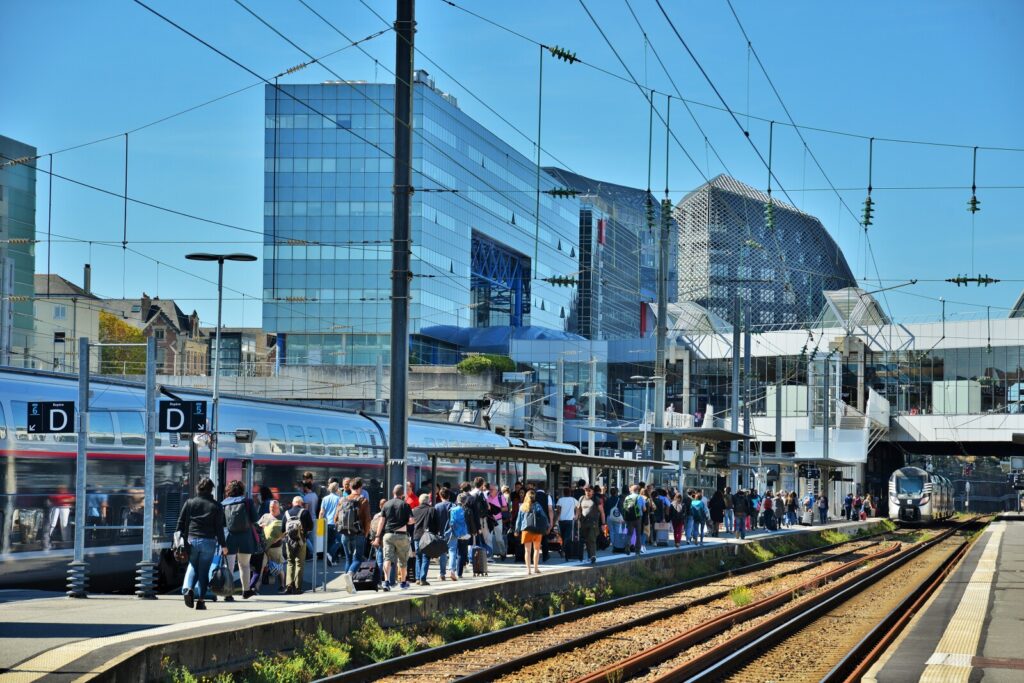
pixel 220 259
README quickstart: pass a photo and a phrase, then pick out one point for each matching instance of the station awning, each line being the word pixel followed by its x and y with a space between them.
pixel 704 435
pixel 536 456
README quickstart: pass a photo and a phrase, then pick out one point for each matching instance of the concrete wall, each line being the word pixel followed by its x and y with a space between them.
pixel 230 650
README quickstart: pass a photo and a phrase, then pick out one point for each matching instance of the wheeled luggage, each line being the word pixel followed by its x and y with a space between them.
pixel 498 541
pixel 662 533
pixel 620 539
pixel 367 576
pixel 479 560
pixel 808 519
pixel 769 521
pixel 574 545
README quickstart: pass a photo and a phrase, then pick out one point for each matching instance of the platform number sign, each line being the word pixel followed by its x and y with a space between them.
pixel 51 417
pixel 183 416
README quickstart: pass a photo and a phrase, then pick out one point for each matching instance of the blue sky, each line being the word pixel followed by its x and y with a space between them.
pixel 939 71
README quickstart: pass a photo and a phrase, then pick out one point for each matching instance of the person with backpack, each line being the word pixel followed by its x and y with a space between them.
pixel 423 521
pixel 823 509
pixel 457 535
pixel 353 524
pixel 544 500
pixel 298 523
pixel 532 524
pixel 700 516
pixel 632 515
pixel 590 517
pixel 240 519
pixel 272 528
pixel 201 522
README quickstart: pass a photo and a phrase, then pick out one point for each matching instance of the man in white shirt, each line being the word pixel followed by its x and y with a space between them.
pixel 566 515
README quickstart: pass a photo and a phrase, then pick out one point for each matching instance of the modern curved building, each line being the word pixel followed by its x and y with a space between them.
pixel 727 251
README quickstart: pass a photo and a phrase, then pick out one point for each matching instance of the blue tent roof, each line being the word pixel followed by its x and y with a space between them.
pixel 493 339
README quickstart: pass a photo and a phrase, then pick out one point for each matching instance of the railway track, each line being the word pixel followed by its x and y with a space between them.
pixel 507 652
pixel 829 629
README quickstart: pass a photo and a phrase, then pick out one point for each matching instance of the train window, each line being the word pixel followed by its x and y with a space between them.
pixel 277 438
pixel 3 424
pixel 101 428
pixel 350 439
pixel 333 441
pixel 315 436
pixel 298 437
pixel 133 432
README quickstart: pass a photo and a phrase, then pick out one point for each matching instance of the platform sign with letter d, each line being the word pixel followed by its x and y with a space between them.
pixel 182 416
pixel 51 417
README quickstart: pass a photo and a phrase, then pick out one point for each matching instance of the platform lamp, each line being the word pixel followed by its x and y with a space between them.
pixel 220 259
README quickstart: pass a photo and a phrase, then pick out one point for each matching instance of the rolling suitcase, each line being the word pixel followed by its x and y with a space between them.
pixel 479 561
pixel 367 576
pixel 662 533
pixel 620 542
pixel 574 545
pixel 808 519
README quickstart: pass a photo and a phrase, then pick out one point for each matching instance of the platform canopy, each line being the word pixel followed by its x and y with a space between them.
pixel 536 456
pixel 701 435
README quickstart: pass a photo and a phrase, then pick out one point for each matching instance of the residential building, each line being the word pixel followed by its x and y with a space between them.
pixel 181 349
pixel 17 251
pixel 479 257
pixel 63 312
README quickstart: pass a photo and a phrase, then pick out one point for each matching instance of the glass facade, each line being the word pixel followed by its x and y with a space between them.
pixel 727 251
pixel 17 259
pixel 328 222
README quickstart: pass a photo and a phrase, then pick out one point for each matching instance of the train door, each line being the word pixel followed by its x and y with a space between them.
pixel 235 469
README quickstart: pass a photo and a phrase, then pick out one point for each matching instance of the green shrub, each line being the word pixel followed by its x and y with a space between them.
pixel 741 596
pixel 485 362
pixel 371 643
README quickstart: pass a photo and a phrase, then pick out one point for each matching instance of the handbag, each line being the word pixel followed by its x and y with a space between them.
pixel 222 583
pixel 432 545
pixel 180 548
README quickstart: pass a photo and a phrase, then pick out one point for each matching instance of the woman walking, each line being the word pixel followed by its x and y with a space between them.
pixel 699 514
pixel 457 536
pixel 240 518
pixel 677 516
pixel 272 528
pixel 531 524
pixel 202 523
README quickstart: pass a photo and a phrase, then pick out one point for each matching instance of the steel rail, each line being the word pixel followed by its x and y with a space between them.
pixel 640 661
pixel 405 662
pixel 857 661
pixel 721 660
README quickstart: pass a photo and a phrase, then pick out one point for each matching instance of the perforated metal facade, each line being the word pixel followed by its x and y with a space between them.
pixel 726 250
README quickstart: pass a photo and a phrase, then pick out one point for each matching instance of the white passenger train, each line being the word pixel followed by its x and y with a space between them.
pixel 37 471
pixel 919 497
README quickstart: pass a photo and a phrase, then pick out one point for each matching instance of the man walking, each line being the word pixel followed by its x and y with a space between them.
pixel 728 516
pixel 632 514
pixel 298 523
pixel 394 536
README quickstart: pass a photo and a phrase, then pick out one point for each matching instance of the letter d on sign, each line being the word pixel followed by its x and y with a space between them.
pixel 175 419
pixel 58 420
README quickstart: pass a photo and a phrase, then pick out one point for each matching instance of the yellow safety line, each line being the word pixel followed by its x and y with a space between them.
pixel 951 661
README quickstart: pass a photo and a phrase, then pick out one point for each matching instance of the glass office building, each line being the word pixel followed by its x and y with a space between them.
pixel 728 251
pixel 17 252
pixel 479 257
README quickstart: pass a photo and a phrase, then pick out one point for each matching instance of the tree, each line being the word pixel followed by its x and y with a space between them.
pixel 484 363
pixel 121 360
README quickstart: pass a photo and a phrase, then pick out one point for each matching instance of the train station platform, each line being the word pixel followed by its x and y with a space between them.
pixel 120 638
pixel 970 629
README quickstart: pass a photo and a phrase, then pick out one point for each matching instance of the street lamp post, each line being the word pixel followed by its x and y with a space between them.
pixel 646 381
pixel 214 422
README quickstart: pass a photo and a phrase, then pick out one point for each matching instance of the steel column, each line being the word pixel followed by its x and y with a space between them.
pixel 78 570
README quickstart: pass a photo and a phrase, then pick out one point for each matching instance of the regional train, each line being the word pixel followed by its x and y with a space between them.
pixel 917 496
pixel 37 484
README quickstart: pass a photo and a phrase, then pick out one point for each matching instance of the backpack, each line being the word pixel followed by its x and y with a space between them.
pixel 237 517
pixel 294 533
pixel 481 508
pixel 631 508
pixel 535 520
pixel 348 517
pixel 659 509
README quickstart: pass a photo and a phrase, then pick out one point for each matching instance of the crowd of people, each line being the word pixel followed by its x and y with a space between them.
pixel 392 543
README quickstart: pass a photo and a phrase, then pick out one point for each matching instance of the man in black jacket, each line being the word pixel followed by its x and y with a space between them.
pixel 298 523
pixel 741 508
pixel 201 522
